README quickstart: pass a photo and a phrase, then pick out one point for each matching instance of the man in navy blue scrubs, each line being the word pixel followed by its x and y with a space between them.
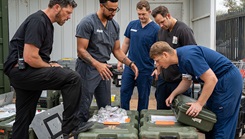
pixel 139 36
pixel 222 87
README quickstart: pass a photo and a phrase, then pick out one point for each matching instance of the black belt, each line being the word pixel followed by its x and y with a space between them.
pixel 86 62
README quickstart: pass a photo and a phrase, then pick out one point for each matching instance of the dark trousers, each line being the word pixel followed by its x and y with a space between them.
pixel 143 83
pixel 163 90
pixel 30 82
pixel 92 85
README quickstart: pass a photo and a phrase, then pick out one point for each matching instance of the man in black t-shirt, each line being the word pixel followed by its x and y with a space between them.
pixel 176 34
pixel 30 71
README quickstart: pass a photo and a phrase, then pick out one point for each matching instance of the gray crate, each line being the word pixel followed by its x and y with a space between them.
pixel 5 99
pixel 48 124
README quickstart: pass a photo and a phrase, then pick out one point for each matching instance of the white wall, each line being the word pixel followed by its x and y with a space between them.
pixel 64 37
pixel 204 22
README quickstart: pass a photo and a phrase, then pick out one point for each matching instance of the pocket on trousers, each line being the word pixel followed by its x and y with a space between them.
pixel 224 110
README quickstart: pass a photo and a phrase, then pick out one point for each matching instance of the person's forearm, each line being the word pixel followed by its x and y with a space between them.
pixel 86 57
pixel 206 92
pixel 120 56
pixel 36 61
pixel 210 80
pixel 182 87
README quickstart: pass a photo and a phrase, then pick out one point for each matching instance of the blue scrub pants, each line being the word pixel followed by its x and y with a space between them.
pixel 225 103
pixel 143 83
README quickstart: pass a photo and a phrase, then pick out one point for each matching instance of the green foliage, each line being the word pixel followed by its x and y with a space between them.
pixel 235 5
pixel 231 4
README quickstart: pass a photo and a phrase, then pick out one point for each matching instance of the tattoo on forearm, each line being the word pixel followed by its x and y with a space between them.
pixel 87 58
pixel 124 60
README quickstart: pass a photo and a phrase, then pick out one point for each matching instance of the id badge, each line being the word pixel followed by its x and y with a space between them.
pixel 175 40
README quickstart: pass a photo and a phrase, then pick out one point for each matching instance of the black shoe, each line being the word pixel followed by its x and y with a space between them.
pixel 65 136
pixel 84 126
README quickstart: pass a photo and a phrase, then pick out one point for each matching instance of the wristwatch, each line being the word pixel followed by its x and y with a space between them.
pixel 130 64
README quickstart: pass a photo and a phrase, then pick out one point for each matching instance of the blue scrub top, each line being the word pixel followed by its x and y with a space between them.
pixel 195 60
pixel 141 40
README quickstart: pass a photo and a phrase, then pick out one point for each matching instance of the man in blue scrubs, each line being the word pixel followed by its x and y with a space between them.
pixel 139 36
pixel 222 87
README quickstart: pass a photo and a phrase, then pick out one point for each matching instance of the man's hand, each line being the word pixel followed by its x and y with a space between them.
pixel 194 109
pixel 135 69
pixel 119 66
pixel 155 73
pixel 55 65
pixel 104 70
pixel 169 100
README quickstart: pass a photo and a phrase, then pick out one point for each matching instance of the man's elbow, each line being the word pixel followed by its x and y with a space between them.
pixel 214 80
pixel 27 59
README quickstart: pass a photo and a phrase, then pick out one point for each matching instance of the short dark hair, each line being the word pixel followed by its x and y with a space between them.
pixel 105 1
pixel 160 10
pixel 143 3
pixel 62 3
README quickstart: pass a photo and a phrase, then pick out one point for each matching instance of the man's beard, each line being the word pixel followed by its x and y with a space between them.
pixel 108 17
pixel 58 19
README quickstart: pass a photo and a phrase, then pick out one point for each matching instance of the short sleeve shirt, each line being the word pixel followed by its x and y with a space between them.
pixel 196 60
pixel 180 35
pixel 38 30
pixel 101 38
pixel 141 40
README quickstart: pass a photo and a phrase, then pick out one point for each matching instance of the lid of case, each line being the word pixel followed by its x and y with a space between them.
pixel 204 113
pixel 179 104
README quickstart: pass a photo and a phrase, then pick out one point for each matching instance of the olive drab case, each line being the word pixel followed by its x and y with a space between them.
pixel 164 129
pixel 113 130
pixel 204 120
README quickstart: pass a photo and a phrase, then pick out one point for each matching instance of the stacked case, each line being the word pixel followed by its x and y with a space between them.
pixel 69 63
pixel 116 131
pixel 49 99
pixel 151 130
pixel 6 129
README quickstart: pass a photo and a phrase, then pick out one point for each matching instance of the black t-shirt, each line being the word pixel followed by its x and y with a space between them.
pixel 180 35
pixel 38 30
